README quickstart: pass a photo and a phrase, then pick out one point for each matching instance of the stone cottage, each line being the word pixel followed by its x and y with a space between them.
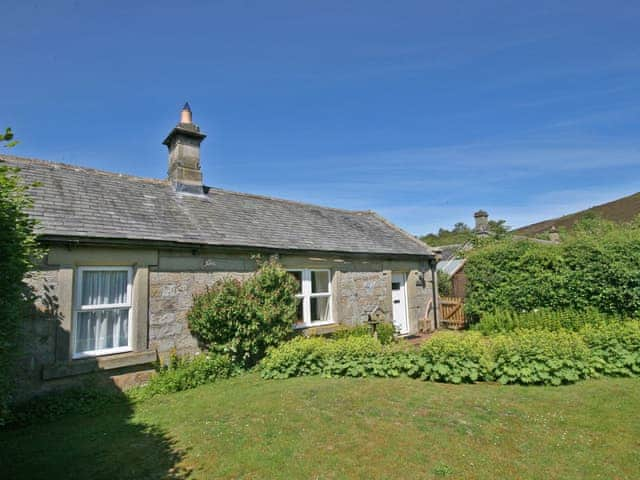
pixel 126 254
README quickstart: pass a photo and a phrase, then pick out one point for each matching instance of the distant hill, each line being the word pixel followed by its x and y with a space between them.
pixel 621 210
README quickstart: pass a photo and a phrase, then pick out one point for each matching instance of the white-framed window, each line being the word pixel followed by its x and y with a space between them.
pixel 314 306
pixel 102 311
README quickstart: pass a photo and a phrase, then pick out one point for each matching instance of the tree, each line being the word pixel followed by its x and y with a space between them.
pixel 19 251
pixel 461 233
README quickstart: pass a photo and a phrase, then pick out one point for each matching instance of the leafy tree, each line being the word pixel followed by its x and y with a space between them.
pixel 461 233
pixel 19 251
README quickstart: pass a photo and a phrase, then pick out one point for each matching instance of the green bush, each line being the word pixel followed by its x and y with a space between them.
pixel 244 319
pixel 540 357
pixel 386 332
pixel 501 321
pixel 453 358
pixel 615 347
pixel 598 266
pixel 18 252
pixel 522 356
pixel 445 284
pixel 186 373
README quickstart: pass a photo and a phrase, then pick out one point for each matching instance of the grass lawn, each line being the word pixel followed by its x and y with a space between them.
pixel 344 428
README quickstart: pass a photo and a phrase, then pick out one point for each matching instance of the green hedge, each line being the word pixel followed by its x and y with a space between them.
pixel 527 356
pixel 501 321
pixel 597 266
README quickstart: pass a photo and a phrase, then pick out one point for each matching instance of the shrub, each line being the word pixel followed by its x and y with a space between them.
pixel 18 252
pixel 445 284
pixel 615 347
pixel 452 357
pixel 522 356
pixel 540 357
pixel 186 373
pixel 386 332
pixel 501 321
pixel 597 266
pixel 319 355
pixel 244 319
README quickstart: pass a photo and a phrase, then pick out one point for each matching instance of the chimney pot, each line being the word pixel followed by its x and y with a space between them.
pixel 184 154
pixel 186 115
pixel 482 222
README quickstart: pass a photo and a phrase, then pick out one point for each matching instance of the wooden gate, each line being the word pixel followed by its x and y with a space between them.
pixel 452 312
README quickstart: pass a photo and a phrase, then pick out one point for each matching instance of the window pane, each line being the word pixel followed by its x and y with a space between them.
pixel 102 329
pixel 320 309
pixel 298 277
pixel 319 281
pixel 104 287
pixel 300 315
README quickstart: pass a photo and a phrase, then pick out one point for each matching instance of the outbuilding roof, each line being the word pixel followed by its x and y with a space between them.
pixel 81 202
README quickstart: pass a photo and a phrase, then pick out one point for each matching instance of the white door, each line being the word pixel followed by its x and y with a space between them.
pixel 399 302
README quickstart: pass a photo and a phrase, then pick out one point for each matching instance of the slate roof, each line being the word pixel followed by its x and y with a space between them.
pixel 81 202
pixel 451 266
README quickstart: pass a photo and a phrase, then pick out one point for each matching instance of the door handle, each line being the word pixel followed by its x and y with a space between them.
pixel 396 301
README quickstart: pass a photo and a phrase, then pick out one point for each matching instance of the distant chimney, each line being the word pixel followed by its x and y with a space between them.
pixel 554 236
pixel 482 222
pixel 184 154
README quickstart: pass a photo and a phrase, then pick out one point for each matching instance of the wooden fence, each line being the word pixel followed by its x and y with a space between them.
pixel 452 312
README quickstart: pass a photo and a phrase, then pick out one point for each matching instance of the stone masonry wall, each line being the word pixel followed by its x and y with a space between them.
pixel 170 297
pixel 39 330
pixel 359 293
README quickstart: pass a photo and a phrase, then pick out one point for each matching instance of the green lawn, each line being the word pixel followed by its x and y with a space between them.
pixel 344 428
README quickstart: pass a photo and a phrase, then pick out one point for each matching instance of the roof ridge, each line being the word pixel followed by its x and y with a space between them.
pixel 400 230
pixel 285 200
pixel 80 168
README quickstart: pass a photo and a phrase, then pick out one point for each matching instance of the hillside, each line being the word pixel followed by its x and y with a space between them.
pixel 621 210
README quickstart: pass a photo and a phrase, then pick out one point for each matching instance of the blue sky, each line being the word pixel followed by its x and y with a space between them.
pixel 422 111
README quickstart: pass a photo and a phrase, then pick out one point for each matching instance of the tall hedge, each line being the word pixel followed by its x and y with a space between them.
pixel 597 265
pixel 18 251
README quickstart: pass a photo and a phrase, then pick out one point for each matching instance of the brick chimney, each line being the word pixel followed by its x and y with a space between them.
pixel 482 222
pixel 184 154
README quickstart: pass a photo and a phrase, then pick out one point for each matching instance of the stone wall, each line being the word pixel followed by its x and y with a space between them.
pixel 359 293
pixel 40 328
pixel 170 298
pixel 164 284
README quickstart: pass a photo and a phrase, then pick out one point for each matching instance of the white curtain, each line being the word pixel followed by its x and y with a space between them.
pixel 104 287
pixel 103 328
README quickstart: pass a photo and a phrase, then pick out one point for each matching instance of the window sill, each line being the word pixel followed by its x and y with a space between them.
pixel 96 364
pixel 324 328
pixel 305 326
